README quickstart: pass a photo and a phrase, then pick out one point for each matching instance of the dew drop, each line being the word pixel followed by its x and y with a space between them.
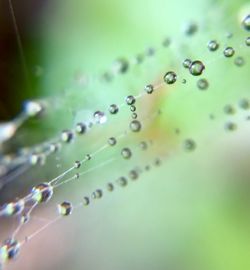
pixel 132 108
pixel 190 28
pixel 189 145
pixel 170 77
pixel 239 61
pixel 81 128
pixel 143 145
pixel 202 84
pixel 67 136
pixel 230 126
pixel 246 23
pixel 112 141
pixel 97 194
pixel 77 164
pixel 88 157
pixel 42 192
pixel 122 181
pixel 33 108
pixel 24 218
pixel 13 208
pixel 110 187
pixel 135 126
pixel 229 109
pixel 196 68
pixel 149 89
pixel 121 65
pixel 65 208
pixel 113 109
pixel 130 100
pixel 133 174
pixel 134 115
pixel 166 42
pixel 187 63
pixel 100 117
pixel 228 52
pixel 77 176
pixel 9 250
pixel 213 45
pixel 244 104
pixel 247 41
pixel 126 153
pixel 86 201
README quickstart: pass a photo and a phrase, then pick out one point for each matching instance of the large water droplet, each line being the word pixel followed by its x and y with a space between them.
pixel 196 68
pixel 170 77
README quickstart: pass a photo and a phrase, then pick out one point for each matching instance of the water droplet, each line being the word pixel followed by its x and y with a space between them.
pixel 32 108
pixel 126 153
pixel 143 145
pixel 110 187
pixel 196 68
pixel 190 28
pixel 229 109
pixel 97 194
pixel 121 65
pixel 80 128
pixel 170 77
pixel 246 23
pixel 132 108
pixel 244 104
pixel 149 88
pixel 77 176
pixel 65 208
pixel 186 63
pixel 77 164
pixel 100 117
pixel 24 218
pixel 166 42
pixel 67 136
pixel 189 145
pixel 133 174
pixel 150 51
pixel 247 41
pixel 184 81
pixel 42 192
pixel 147 167
pixel 230 126
pixel 122 181
pixel 202 84
pixel 130 100
pixel 135 126
pixel 13 208
pixel 9 250
pixel 53 147
pixel 86 201
pixel 139 59
pixel 157 162
pixel 213 45
pixel 112 141
pixel 228 52
pixel 239 61
pixel 113 109
pixel 88 157
pixel 134 115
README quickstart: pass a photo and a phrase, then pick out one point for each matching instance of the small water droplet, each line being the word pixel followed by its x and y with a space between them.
pixel 121 65
pixel 112 141
pixel 229 109
pixel 42 192
pixel 110 187
pixel 187 63
pixel 196 68
pixel 113 109
pixel 77 164
pixel 67 136
pixel 81 128
pixel 134 115
pixel 130 100
pixel 239 61
pixel 97 194
pixel 133 174
pixel 244 104
pixel 228 52
pixel 149 88
pixel 189 145
pixel 126 153
pixel 247 41
pixel 213 45
pixel 135 126
pixel 246 22
pixel 202 84
pixel 100 117
pixel 9 250
pixel 86 201
pixel 230 126
pixel 122 181
pixel 65 208
pixel 132 108
pixel 170 77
